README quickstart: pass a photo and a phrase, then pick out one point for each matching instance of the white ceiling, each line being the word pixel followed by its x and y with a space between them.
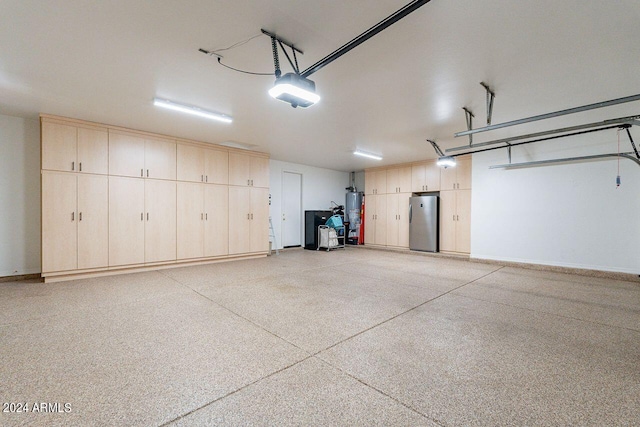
pixel 105 61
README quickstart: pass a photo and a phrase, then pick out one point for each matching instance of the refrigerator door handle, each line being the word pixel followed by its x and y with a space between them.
pixel 410 212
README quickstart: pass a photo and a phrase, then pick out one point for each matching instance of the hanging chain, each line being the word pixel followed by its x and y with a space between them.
pixel 276 61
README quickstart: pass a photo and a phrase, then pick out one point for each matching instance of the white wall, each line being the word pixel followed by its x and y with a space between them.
pixel 568 215
pixel 319 187
pixel 19 196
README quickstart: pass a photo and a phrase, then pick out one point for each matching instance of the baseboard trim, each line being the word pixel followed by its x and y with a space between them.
pixel 88 274
pixel 35 276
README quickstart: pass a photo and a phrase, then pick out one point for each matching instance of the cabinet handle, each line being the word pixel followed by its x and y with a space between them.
pixel 73 216
pixel 206 216
pixel 426 187
pixel 80 165
pixel 252 216
pixel 454 217
pixel 248 182
pixel 201 178
pixel 201 216
pixel 206 178
pixel 248 216
pixel 141 216
pixel 147 216
pixel 80 216
pixel 147 173
pixel 457 218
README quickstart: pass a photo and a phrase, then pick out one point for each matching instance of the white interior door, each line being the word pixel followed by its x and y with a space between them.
pixel 291 209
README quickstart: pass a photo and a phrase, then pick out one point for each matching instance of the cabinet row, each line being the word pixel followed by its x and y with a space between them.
pixel 69 148
pixel 95 221
pixel 387 220
pixel 418 178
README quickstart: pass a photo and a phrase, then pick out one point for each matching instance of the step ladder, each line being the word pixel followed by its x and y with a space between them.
pixel 272 235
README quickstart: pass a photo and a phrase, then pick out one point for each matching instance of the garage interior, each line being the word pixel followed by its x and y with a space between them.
pixel 185 296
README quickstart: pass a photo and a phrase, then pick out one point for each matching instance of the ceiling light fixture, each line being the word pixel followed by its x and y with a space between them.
pixel 367 155
pixel 164 103
pixel 446 162
pixel 296 90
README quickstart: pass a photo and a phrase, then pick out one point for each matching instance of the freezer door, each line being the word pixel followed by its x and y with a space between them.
pixel 423 223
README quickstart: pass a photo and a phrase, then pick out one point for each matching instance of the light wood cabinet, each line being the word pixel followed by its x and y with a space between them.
pixel 249 171
pixel 457 177
pixel 93 221
pixel 425 177
pixel 126 155
pixel 160 159
pixel 73 149
pixel 160 220
pixel 74 222
pixel 398 220
pixel 203 220
pixel 115 199
pixel 248 220
pixel 259 219
pixel 199 164
pixel 375 182
pixel 216 220
pixel 375 229
pixel 216 167
pixel 399 180
pixel 126 221
pixel 190 220
pixel 59 226
pixel 135 156
pixel 455 221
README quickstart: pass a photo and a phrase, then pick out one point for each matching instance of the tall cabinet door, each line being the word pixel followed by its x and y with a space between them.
pixel 463 221
pixel 93 221
pixel 259 222
pixel 448 221
pixel 392 219
pixel 59 145
pixel 239 220
pixel 403 219
pixel 369 219
pixel 126 221
pixel 190 220
pixel 59 222
pixel 160 220
pixel 381 220
pixel 216 221
pixel 93 151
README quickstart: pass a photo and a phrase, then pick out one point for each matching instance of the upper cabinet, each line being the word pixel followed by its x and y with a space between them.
pixel 74 149
pixel 425 177
pixel 199 164
pixel 136 156
pixel 398 180
pixel 375 182
pixel 457 177
pixel 246 170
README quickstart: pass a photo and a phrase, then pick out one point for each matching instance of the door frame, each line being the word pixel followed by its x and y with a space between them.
pixel 282 228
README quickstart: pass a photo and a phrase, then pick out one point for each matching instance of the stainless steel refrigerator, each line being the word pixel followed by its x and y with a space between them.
pixel 423 223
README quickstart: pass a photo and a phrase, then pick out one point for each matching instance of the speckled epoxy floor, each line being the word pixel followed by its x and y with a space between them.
pixel 353 337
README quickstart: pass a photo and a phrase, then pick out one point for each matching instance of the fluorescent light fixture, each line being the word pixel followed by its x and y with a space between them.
pixel 164 103
pixel 296 90
pixel 446 162
pixel 367 155
pixel 240 145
